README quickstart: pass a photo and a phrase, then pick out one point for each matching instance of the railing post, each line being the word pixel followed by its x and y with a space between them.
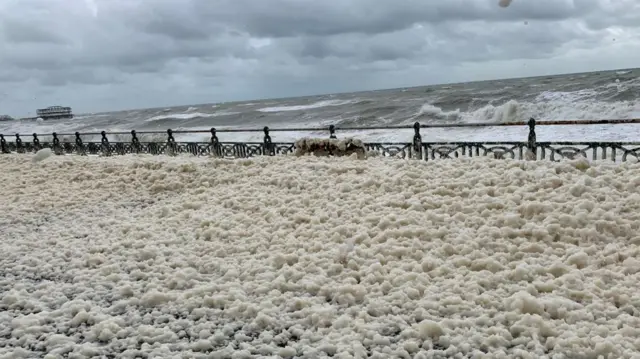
pixel 171 142
pixel 3 144
pixel 215 143
pixel 135 143
pixel 417 140
pixel 36 142
pixel 332 131
pixel 79 144
pixel 19 148
pixel 105 147
pixel 267 144
pixel 531 141
pixel 56 144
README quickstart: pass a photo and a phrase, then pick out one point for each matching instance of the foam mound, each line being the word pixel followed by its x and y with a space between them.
pixel 312 257
pixel 42 155
pixel 330 147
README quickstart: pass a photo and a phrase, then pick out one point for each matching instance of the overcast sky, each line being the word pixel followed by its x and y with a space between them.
pixel 97 55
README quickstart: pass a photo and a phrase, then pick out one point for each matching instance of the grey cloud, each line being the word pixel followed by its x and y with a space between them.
pixel 174 22
pixel 290 18
pixel 20 32
pixel 11 75
pixel 175 30
pixel 32 58
pixel 482 41
pixel 229 49
pixel 616 13
pixel 472 41
pixel 282 18
pixel 125 51
pixel 83 76
pixel 380 47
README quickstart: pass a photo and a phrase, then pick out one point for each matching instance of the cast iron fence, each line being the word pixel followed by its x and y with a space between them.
pixel 416 148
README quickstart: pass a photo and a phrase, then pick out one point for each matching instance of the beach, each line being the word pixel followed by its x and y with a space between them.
pixel 310 257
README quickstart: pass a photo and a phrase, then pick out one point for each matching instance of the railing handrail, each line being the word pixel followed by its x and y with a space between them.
pixel 364 128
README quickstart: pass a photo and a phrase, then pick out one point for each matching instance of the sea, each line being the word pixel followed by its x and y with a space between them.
pixel 580 96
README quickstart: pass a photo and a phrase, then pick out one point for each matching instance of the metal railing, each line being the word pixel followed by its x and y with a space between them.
pixel 416 148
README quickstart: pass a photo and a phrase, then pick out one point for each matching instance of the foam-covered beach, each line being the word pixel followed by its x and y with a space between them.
pixel 285 257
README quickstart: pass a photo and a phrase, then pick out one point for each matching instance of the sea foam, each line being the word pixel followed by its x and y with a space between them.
pixel 313 257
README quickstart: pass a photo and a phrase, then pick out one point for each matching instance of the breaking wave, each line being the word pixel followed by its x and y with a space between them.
pixel 189 116
pixel 315 105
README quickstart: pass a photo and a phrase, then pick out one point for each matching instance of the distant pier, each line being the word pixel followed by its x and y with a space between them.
pixel 51 113
pixel 55 113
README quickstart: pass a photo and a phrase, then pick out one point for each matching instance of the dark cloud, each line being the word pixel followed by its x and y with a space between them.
pixel 175 22
pixel 21 32
pixel 131 53
pixel 9 75
pixel 283 18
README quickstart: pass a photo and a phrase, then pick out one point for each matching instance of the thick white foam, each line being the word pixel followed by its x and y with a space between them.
pixel 309 257
pixel 315 105
pixel 42 155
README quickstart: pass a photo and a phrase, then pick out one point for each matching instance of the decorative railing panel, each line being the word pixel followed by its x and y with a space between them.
pixel 402 150
pixel 416 149
pixel 445 150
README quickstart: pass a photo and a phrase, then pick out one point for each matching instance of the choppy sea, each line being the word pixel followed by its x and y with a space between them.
pixel 583 96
